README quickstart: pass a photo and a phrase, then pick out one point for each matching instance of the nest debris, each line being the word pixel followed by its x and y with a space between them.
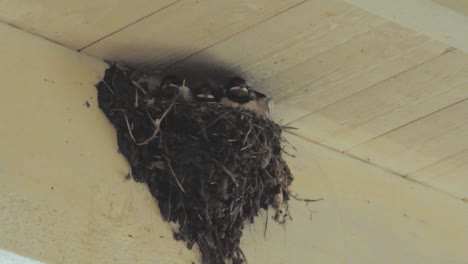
pixel 211 168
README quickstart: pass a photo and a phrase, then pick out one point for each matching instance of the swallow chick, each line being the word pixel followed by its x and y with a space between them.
pixel 237 90
pixel 185 93
pixel 239 94
pixel 258 103
pixel 169 88
pixel 207 92
pixel 148 83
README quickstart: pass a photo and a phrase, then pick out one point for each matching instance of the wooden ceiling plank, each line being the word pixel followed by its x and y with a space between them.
pixel 183 29
pixel 76 24
pixel 459 6
pixel 449 175
pixel 347 69
pixel 393 103
pixel 266 49
pixel 421 143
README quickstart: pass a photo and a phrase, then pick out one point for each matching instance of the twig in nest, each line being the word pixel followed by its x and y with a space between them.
pixel 267 173
pixel 243 255
pixel 156 124
pixel 266 224
pixel 113 79
pixel 173 174
pixel 305 199
pixel 128 125
pixel 108 87
pixel 137 85
pixel 286 128
pixel 169 204
pixel 246 147
pixel 289 143
pixel 248 133
pixel 219 117
pixel 136 98
pixel 287 153
pixel 228 172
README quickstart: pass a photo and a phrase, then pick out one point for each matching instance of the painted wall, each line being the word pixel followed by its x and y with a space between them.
pixel 64 197
pixel 396 56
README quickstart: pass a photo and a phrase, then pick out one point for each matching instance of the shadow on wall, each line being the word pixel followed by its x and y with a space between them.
pixel 170 61
pixel 193 69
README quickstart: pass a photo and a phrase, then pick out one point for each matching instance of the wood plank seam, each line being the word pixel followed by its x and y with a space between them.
pixel 282 94
pixel 350 40
pixel 388 170
pixel 237 33
pixel 432 164
pixel 128 25
pixel 375 84
pixel 34 34
pixel 407 124
pixel 335 45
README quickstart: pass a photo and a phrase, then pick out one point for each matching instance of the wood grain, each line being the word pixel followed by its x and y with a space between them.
pixel 285 40
pixel 448 174
pixel 76 24
pixel 184 29
pixel 393 103
pixel 421 143
pixel 347 69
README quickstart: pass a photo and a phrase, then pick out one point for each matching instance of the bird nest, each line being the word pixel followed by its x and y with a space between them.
pixel 211 168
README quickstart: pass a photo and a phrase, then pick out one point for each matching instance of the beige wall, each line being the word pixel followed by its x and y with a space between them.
pixel 443 20
pixel 65 200
pixel 460 6
pixel 357 76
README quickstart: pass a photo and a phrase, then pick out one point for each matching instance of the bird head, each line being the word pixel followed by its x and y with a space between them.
pixel 206 92
pixel 169 87
pixel 237 90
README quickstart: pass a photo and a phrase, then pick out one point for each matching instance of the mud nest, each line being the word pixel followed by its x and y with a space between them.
pixel 211 168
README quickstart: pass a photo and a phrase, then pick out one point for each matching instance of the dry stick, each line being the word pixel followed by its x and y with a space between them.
pixel 256 137
pixel 136 98
pixel 305 199
pixel 169 203
pixel 113 79
pixel 108 87
pixel 243 255
pixel 228 172
pixel 185 213
pixel 219 117
pixel 137 85
pixel 267 173
pixel 290 144
pixel 287 153
pixel 173 174
pixel 286 127
pixel 248 133
pixel 128 126
pixel 156 124
pixel 246 147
